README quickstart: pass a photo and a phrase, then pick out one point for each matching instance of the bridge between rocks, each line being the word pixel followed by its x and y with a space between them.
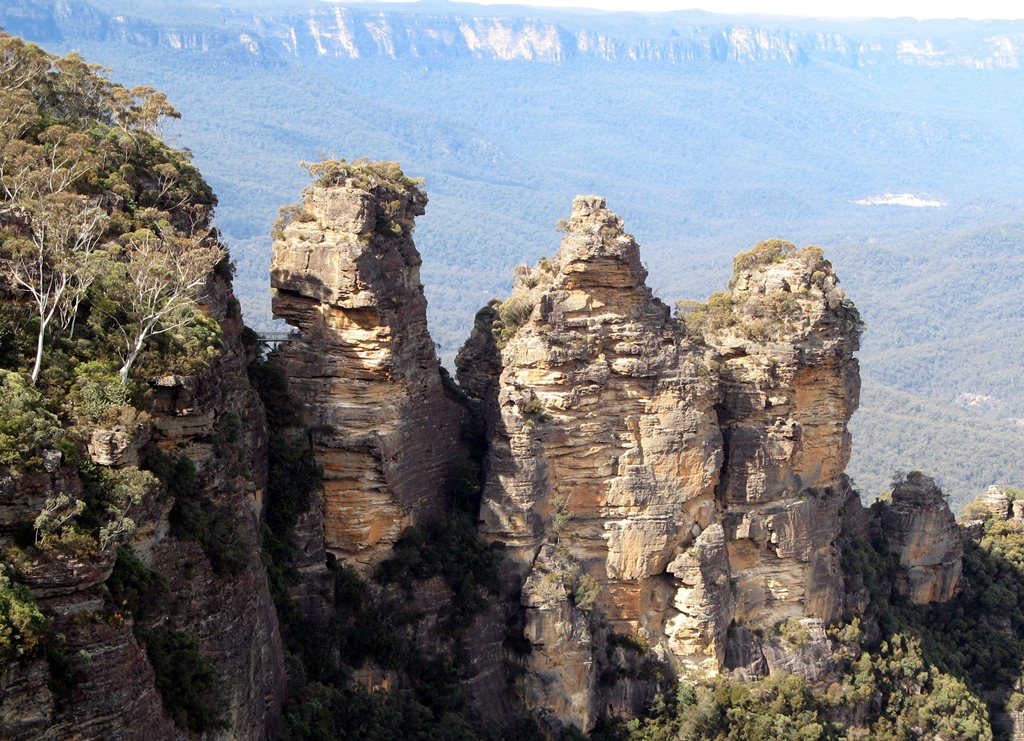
pixel 273 340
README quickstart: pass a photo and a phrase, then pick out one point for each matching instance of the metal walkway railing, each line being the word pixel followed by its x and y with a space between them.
pixel 273 339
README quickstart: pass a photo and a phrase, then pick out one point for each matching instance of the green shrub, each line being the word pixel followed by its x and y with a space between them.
pixel 367 174
pixel 23 626
pixel 563 574
pixel 213 527
pixel 108 496
pixel 271 384
pixel 320 712
pixel 794 632
pixel 452 549
pixel 99 390
pixel 294 477
pixel 137 588
pixel 294 212
pixel 26 426
pixel 230 427
pixel 186 681
pixel 62 674
pixel 512 314
pixel 764 253
pixel 195 517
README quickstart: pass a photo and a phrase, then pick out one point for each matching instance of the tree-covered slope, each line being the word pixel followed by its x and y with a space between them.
pixel 133 601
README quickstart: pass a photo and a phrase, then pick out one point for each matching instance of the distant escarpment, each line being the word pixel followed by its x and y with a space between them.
pixel 514 34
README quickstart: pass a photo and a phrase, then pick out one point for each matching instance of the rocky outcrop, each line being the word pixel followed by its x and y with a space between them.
pixel 917 526
pixel 677 482
pixel 998 503
pixel 109 689
pixel 362 364
pixel 786 337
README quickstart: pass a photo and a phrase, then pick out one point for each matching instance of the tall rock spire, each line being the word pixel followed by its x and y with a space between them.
pixel 362 365
pixel 679 478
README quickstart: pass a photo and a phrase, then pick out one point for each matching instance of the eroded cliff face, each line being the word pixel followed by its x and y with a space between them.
pixel 790 383
pixel 108 688
pixel 668 485
pixel 361 363
pixel 918 527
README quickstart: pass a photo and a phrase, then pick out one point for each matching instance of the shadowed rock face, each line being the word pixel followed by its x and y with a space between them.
pixel 362 365
pixel 674 478
pixel 231 616
pixel 918 526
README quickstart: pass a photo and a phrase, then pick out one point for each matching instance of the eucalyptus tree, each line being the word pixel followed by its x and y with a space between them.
pixel 157 278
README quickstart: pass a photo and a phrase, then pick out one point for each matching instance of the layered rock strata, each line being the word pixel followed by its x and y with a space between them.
pixel 918 527
pixel 361 363
pixel 786 336
pixel 110 689
pixel 658 482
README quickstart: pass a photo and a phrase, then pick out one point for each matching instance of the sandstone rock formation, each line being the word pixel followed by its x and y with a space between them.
pixel 676 478
pixel 918 526
pixel 786 336
pixel 362 364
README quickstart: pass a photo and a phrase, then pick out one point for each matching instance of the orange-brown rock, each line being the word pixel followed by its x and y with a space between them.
pixel 918 526
pixel 362 364
pixel 675 477
pixel 790 383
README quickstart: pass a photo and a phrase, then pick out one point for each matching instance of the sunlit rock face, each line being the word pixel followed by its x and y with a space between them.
pixel 790 384
pixel 361 364
pixel 918 526
pixel 657 482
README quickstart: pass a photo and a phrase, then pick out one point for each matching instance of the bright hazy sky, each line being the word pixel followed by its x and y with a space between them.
pixel 976 9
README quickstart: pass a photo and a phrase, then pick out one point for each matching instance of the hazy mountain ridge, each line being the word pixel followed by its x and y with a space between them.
pixel 445 30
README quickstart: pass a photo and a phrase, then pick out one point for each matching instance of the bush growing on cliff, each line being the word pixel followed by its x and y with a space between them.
pixel 366 173
pixel 763 253
pixel 452 549
pixel 27 427
pixel 186 681
pixel 135 587
pixel 394 190
pixel 294 477
pixel 195 517
pixel 512 314
pixel 293 212
pixel 23 626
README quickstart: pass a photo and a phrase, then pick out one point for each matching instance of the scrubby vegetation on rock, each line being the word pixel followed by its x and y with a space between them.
pixel 113 290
